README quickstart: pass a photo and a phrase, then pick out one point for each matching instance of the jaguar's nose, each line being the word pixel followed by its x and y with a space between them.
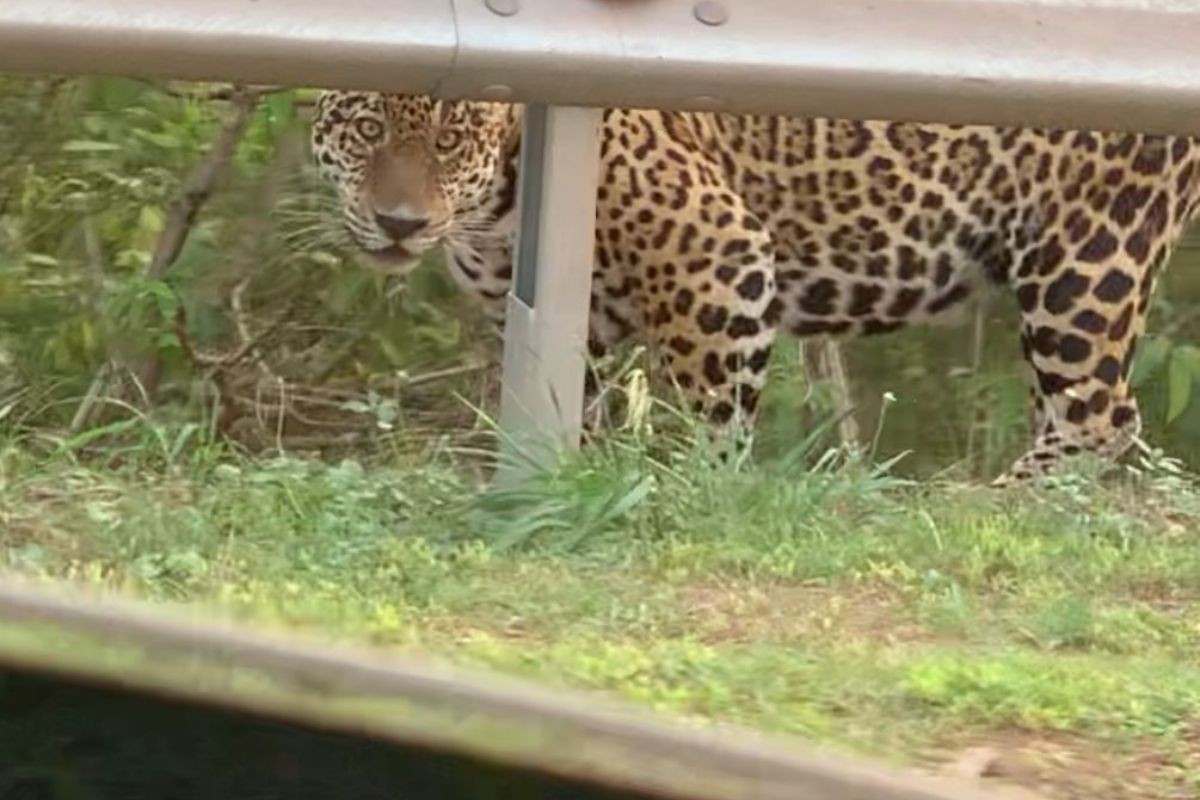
pixel 400 228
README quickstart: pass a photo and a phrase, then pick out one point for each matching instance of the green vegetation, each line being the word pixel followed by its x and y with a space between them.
pixel 307 455
pixel 811 602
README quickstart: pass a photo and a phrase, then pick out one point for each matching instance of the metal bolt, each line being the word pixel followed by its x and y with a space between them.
pixel 496 93
pixel 711 12
pixel 505 8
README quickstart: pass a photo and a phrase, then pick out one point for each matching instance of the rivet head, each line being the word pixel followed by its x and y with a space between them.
pixel 505 8
pixel 496 93
pixel 711 12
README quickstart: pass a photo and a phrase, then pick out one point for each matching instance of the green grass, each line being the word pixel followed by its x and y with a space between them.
pixel 821 599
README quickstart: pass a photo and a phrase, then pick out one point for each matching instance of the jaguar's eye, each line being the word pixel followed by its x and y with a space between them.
pixel 447 140
pixel 369 129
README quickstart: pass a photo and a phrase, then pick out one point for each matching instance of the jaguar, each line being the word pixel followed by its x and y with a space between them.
pixel 717 232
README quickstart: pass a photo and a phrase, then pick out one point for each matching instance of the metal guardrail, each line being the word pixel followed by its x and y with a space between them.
pixel 122 679
pixel 1107 64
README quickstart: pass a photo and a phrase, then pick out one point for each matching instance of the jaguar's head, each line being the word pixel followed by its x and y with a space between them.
pixel 413 173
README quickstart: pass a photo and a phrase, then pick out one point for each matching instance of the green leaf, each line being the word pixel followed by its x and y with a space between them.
pixel 89 146
pixel 1179 383
pixel 1151 357
pixel 164 140
pixel 166 341
pixel 87 437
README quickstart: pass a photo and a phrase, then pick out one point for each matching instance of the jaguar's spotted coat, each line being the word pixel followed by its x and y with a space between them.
pixel 715 232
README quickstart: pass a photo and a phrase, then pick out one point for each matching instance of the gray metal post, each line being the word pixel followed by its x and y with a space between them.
pixel 545 336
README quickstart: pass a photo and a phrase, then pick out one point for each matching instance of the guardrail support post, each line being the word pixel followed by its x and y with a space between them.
pixel 545 335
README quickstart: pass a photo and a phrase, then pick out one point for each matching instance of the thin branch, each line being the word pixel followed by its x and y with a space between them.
pixel 196 192
pixel 200 185
pixel 220 364
pixel 406 382
pixel 87 407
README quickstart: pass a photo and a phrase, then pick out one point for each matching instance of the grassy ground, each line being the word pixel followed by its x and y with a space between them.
pixel 1060 628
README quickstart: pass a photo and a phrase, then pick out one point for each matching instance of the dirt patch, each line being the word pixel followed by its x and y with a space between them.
pixel 740 613
pixel 1073 768
pixel 1163 595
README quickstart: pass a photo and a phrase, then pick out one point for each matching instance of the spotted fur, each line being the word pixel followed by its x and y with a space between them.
pixel 715 232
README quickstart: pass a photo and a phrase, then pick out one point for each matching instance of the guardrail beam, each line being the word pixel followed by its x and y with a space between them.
pixel 1117 65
